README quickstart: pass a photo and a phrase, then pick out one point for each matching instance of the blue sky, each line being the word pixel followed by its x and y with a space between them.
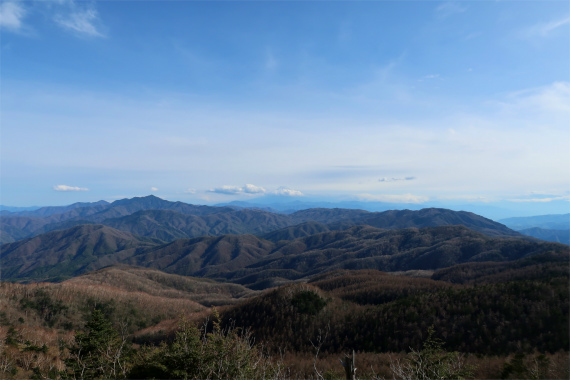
pixel 211 101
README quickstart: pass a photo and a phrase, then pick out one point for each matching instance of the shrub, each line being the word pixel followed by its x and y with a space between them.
pixel 308 302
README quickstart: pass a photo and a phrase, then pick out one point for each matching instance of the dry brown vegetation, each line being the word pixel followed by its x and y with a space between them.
pixel 511 323
pixel 377 365
pixel 153 282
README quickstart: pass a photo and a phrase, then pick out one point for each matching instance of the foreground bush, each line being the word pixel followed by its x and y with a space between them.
pixel 196 354
pixel 431 362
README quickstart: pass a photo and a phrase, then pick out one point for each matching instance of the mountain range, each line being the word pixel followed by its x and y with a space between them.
pixel 157 218
pixel 252 247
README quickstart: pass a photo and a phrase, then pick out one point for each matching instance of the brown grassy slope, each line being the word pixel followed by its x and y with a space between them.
pixel 156 283
pixel 79 297
pixel 32 315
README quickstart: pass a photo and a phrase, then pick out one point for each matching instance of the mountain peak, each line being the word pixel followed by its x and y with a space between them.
pixel 142 198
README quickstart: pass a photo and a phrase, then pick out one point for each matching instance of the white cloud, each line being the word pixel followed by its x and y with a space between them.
pixel 81 22
pixel 385 179
pixel 154 188
pixel 190 191
pixel 246 189
pixel 252 189
pixel 544 29
pixel 288 192
pixel 227 189
pixel 11 15
pixel 393 198
pixel 69 188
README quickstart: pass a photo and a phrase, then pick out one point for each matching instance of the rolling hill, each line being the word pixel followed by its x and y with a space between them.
pixel 250 260
pixel 160 284
pixel 67 252
pixel 365 247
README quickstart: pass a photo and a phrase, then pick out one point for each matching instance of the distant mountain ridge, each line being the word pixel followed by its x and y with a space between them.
pixel 51 210
pixel 555 227
pixel 151 216
pixel 558 236
pixel 15 226
pixel 554 222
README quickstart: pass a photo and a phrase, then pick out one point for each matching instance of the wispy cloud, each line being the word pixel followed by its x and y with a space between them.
pixel 544 29
pixel 393 179
pixel 11 15
pixel 81 22
pixel 288 192
pixel 69 188
pixel 466 197
pixel 190 191
pixel 246 189
pixel 449 8
pixel 271 63
pixel 253 189
pixel 393 198
pixel 554 97
pixel 227 189
pixel 154 188
pixel 79 17
pixel 430 77
pixel 534 200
